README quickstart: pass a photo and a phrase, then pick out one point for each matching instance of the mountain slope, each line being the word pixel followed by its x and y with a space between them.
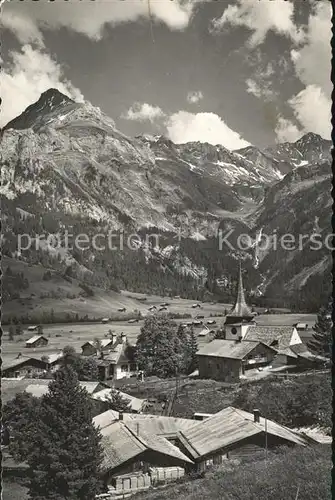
pixel 65 165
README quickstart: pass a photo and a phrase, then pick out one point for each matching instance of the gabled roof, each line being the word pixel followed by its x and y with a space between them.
pixel 54 357
pixel 106 418
pixel 158 425
pixel 11 387
pixel 38 390
pixel 20 361
pixel 122 444
pixel 204 332
pixel 104 343
pixel 136 404
pixel 228 348
pixel 34 339
pixel 270 334
pixel 301 351
pixel 230 426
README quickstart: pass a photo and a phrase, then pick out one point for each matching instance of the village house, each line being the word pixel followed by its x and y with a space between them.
pixel 301 327
pixel 90 348
pixel 53 360
pixel 228 360
pixel 132 457
pixel 206 335
pixel 23 366
pixel 234 433
pixel 298 358
pixel 37 341
pixel 38 389
pixel 102 397
pixel 116 359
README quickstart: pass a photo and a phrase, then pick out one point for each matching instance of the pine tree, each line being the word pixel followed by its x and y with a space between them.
pixel 117 402
pixel 193 349
pixel 11 332
pixel 18 329
pixel 67 454
pixel 321 343
pixel 19 417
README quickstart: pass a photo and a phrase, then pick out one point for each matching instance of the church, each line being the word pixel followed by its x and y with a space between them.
pixel 249 346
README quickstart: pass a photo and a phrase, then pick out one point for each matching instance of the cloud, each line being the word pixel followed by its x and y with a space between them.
pixel 90 18
pixel 194 96
pixel 260 17
pixel 204 127
pixel 30 73
pixel 312 108
pixel 286 130
pixel 312 63
pixel 142 112
pixel 23 28
pixel 261 88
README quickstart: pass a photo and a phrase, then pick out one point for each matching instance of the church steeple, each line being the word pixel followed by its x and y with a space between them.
pixel 240 308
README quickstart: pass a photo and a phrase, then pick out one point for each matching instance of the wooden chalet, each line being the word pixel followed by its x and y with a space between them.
pixel 233 433
pixel 129 451
pixel 228 360
pixel 23 366
pixel 37 341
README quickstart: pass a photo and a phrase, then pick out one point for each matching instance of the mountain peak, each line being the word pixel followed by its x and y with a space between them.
pixel 48 102
pixel 53 95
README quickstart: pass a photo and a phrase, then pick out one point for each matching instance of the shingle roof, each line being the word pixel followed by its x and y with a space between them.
pixel 156 424
pixel 227 349
pixel 11 387
pixel 136 404
pixel 19 361
pixel 33 339
pixel 301 350
pixel 38 390
pixel 122 444
pixel 227 427
pixel 106 418
pixel 269 334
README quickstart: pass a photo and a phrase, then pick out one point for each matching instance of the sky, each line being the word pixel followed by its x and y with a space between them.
pixel 230 72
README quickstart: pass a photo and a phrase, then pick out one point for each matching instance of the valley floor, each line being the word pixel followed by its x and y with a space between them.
pixel 76 334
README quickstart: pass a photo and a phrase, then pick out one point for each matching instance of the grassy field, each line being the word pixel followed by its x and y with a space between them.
pixel 76 334
pixel 102 304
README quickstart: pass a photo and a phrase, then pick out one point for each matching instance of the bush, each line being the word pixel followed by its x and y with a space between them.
pixel 286 470
pixel 88 291
pixel 303 401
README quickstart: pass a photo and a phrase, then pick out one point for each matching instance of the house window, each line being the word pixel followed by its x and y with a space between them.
pixel 124 368
pixel 133 367
pixel 234 330
pixel 16 374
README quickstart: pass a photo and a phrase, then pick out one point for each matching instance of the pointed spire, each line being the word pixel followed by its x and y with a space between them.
pixel 240 308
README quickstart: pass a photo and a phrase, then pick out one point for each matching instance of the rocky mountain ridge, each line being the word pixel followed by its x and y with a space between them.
pixel 68 160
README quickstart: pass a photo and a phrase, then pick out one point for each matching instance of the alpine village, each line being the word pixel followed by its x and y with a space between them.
pixel 161 338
